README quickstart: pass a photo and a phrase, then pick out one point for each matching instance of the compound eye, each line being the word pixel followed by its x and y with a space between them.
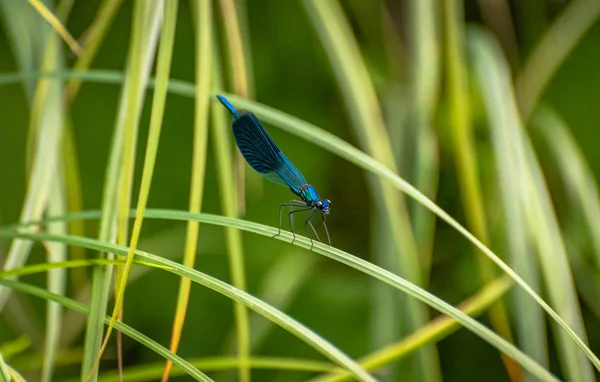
pixel 319 204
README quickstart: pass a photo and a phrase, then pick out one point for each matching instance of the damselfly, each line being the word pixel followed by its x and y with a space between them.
pixel 263 155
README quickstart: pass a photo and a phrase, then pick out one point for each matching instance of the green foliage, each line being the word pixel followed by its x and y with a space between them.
pixel 400 113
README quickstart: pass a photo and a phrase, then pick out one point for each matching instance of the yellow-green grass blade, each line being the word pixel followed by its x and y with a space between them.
pixel 339 147
pixel 552 50
pixel 363 107
pixel 152 372
pixel 117 186
pixel 146 26
pixel 134 334
pixel 281 319
pixel 202 18
pixel 224 161
pixel 539 217
pixel 465 156
pixel 56 25
pixel 94 35
pixel 330 252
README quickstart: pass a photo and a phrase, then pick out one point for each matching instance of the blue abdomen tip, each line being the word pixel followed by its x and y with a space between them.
pixel 229 106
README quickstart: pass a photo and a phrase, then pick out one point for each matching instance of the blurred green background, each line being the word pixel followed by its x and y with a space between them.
pixel 291 72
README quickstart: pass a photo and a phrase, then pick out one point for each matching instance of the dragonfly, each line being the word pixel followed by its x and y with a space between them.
pixel 263 155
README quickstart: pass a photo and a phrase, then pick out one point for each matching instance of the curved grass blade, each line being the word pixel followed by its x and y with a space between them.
pixel 281 319
pixel 332 253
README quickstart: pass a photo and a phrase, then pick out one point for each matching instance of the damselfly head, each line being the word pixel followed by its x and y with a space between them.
pixel 323 205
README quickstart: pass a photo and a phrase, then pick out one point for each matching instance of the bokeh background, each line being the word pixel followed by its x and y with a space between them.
pixel 291 71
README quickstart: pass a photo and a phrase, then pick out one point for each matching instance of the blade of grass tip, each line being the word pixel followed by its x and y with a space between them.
pixel 278 317
pixel 533 194
pixel 202 16
pixel 237 64
pixel 344 150
pixel 465 155
pixel 361 102
pixel 435 330
pixel 49 110
pixel 146 24
pixel 577 176
pixel 56 25
pixel 227 192
pixel 94 35
pixel 552 50
pixel 57 252
pixel 129 331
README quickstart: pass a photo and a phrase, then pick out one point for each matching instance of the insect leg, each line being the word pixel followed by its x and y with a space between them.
pixel 326 230
pixel 292 219
pixel 292 203
pixel 306 227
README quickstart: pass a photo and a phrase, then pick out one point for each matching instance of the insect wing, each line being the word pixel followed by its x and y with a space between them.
pixel 262 154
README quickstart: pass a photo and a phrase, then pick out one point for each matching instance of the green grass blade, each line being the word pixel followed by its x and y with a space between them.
pixel 202 16
pixel 532 194
pixel 142 57
pixel 130 106
pixel 224 160
pixel 330 252
pixel 134 334
pixel 465 155
pixel 281 319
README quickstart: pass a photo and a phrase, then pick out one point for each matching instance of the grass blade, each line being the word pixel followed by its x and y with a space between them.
pixel 466 159
pixel 134 334
pixel 222 137
pixel 361 265
pixel 540 219
pixel 560 39
pixel 202 15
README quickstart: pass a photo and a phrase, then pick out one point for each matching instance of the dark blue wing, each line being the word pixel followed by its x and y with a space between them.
pixel 263 155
